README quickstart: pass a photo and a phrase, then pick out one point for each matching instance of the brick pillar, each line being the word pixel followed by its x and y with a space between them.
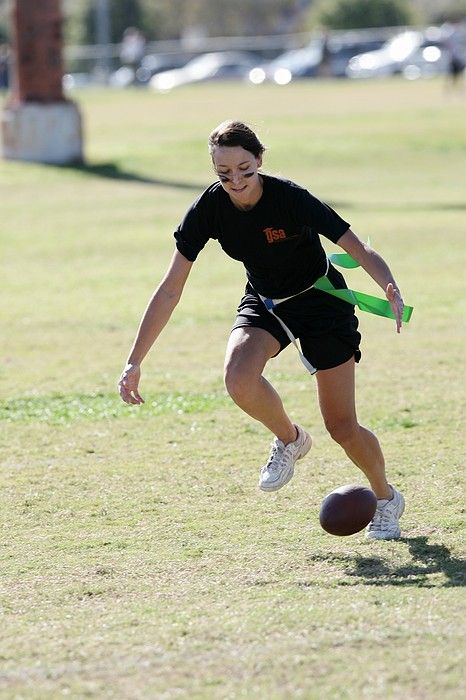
pixel 38 123
pixel 37 50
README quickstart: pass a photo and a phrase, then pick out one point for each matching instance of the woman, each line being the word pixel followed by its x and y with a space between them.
pixel 272 225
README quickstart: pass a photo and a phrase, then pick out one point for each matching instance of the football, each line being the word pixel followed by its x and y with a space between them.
pixel 347 509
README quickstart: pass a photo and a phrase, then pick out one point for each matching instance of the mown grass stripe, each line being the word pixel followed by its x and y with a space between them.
pixel 67 408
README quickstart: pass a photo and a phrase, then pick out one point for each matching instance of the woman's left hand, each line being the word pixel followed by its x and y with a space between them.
pixel 396 302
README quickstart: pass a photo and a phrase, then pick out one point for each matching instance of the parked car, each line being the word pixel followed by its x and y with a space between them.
pixel 308 61
pixel 342 50
pixel 397 53
pixel 71 81
pixel 426 62
pixel 157 63
pixel 221 65
pixel 298 63
pixel 150 65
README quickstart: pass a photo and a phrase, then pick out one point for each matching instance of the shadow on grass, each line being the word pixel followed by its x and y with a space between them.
pixel 424 206
pixel 427 559
pixel 112 171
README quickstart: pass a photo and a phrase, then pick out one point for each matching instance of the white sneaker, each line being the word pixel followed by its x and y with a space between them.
pixel 384 525
pixel 280 466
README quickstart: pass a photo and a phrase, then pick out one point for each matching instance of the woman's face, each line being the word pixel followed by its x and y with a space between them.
pixel 237 170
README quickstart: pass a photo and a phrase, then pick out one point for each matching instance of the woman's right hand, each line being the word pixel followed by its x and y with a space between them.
pixel 128 384
pixel 396 302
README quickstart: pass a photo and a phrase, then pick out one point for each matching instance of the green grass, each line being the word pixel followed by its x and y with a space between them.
pixel 137 557
pixel 68 408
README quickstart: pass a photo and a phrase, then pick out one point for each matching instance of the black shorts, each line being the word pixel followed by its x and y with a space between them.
pixel 326 327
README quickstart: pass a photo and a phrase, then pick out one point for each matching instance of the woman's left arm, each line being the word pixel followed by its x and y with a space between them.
pixel 377 268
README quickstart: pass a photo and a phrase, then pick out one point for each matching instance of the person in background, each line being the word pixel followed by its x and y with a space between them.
pixel 132 47
pixel 454 44
pixel 325 66
pixel 4 60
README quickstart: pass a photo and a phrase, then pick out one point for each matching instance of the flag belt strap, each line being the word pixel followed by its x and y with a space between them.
pixel 365 302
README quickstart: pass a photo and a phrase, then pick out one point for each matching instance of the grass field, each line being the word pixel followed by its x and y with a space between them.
pixel 137 557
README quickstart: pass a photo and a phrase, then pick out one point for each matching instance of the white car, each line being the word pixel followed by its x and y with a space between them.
pixel 408 48
pixel 306 62
pixel 219 65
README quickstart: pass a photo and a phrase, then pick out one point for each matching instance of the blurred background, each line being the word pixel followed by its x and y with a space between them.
pixel 162 44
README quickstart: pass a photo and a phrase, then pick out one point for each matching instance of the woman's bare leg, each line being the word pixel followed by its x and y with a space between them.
pixel 336 389
pixel 248 351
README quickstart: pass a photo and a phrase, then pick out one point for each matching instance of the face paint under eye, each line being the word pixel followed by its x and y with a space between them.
pixel 224 178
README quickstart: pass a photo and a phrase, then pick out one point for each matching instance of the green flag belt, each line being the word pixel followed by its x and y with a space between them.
pixel 365 302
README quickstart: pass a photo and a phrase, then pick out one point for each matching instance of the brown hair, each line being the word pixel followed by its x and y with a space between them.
pixel 234 133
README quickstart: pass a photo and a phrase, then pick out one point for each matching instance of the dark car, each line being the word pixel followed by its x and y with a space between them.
pixel 341 51
pixel 297 63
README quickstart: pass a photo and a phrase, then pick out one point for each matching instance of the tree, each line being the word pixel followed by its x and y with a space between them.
pixel 123 14
pixel 167 19
pixel 455 12
pixel 358 14
pixel 4 21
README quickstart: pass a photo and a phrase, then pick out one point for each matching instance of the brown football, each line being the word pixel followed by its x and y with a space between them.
pixel 347 509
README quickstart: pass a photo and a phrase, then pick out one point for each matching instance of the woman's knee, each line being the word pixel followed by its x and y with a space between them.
pixel 239 380
pixel 342 429
pixel 247 353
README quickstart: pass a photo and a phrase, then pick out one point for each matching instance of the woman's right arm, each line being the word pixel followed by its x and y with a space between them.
pixel 156 316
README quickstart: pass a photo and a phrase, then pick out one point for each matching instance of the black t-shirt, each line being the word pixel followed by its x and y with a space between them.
pixel 277 240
